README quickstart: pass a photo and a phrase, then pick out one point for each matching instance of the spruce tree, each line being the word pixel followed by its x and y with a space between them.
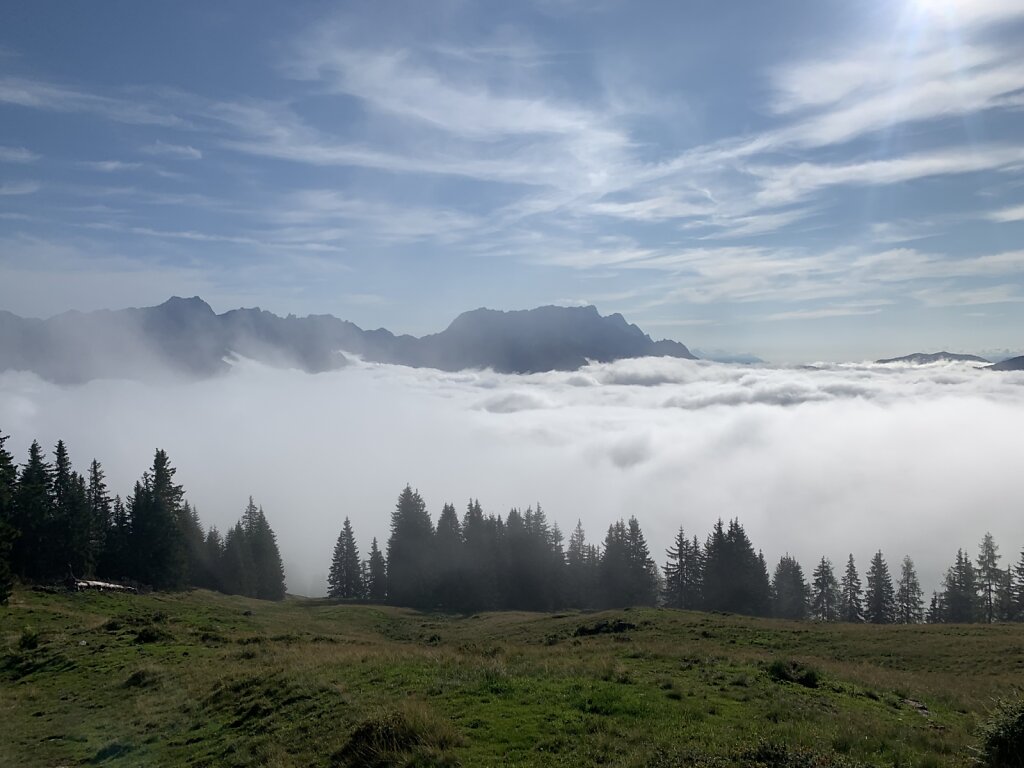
pixel 1005 610
pixel 735 577
pixel 213 556
pixel 32 552
pixel 850 606
pixel 1017 590
pixel 100 512
pixel 989 577
pixel 238 570
pixel 789 590
pixel 880 601
pixel 115 561
pixel 683 573
pixel 156 539
pixel 643 573
pixel 960 592
pixel 345 580
pixel 825 597
pixel 909 603
pixel 377 572
pixel 8 484
pixel 266 557
pixel 451 576
pixel 410 556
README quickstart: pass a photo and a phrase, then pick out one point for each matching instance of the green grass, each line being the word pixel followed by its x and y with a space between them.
pixel 200 679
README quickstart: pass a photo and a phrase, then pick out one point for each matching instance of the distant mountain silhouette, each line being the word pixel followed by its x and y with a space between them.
pixel 921 358
pixel 185 336
pixel 1013 364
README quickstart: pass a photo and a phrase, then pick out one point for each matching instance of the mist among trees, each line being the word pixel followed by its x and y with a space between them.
pixel 56 522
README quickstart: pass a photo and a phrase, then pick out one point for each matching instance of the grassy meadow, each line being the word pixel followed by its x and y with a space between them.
pixel 200 679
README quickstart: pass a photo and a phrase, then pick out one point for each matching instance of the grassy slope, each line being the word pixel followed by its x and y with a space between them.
pixel 229 681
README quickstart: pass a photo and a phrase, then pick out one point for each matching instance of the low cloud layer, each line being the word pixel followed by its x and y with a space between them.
pixel 815 461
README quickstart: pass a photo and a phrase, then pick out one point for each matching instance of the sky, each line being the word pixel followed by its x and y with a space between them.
pixel 815 462
pixel 813 180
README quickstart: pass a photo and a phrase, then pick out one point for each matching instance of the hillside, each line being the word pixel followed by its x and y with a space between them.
pixel 1013 364
pixel 205 680
pixel 186 337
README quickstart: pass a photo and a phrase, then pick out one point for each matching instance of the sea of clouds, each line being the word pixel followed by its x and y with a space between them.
pixel 819 460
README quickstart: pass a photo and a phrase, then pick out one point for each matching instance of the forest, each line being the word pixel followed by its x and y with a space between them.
pixel 57 523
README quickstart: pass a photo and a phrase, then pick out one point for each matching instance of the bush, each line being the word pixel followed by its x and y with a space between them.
pixel 29 640
pixel 790 671
pixel 412 736
pixel 1002 735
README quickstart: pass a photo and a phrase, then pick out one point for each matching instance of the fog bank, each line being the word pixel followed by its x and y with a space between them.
pixel 814 461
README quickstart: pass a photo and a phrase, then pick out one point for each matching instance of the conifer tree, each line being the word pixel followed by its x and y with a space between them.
pixel 989 577
pixel 410 556
pixel 643 572
pixel 8 484
pixel 735 577
pixel 32 553
pixel 377 572
pixel 156 539
pixel 451 576
pixel 238 571
pixel 266 557
pixel 960 592
pixel 100 512
pixel 213 556
pixel 1017 590
pixel 377 568
pixel 936 610
pixel 1004 596
pixel 580 575
pixel 683 573
pixel 880 601
pixel 789 590
pixel 345 580
pixel 850 606
pixel 196 570
pixel 825 598
pixel 909 603
pixel 69 528
pixel 115 561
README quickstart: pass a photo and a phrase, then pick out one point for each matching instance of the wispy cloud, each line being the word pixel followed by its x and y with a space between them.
pixel 38 94
pixel 182 151
pixel 19 188
pixel 17 155
pixel 1004 215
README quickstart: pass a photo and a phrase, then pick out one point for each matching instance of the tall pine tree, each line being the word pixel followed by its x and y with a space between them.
pixel 410 552
pixel 909 603
pixel 989 577
pixel 8 484
pixel 851 608
pixel 825 597
pixel 377 574
pixel 345 580
pixel 880 601
pixel 789 590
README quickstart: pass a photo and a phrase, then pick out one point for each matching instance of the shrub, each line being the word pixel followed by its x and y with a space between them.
pixel 1002 735
pixel 412 736
pixel 790 671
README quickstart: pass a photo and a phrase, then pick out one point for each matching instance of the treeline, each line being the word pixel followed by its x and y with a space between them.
pixel 56 523
pixel 521 562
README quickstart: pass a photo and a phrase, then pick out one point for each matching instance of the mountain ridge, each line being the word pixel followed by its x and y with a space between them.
pixel 925 358
pixel 186 336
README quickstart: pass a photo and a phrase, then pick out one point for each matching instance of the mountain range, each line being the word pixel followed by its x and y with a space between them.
pixel 185 336
pixel 922 358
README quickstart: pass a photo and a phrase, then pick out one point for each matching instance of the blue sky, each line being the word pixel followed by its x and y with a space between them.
pixel 802 180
